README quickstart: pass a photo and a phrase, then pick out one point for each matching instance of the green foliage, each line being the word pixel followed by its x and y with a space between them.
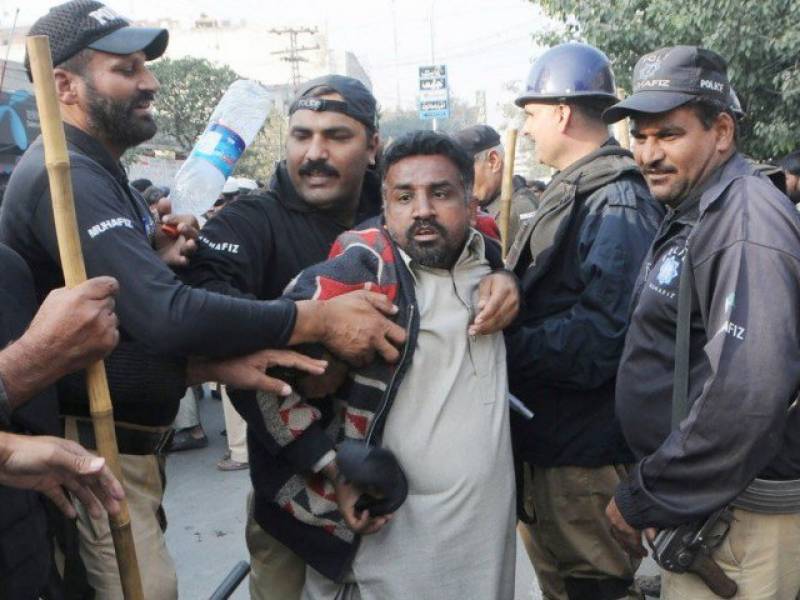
pixel 258 161
pixel 190 90
pixel 760 40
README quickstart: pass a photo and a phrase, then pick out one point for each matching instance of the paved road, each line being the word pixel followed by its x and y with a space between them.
pixel 206 512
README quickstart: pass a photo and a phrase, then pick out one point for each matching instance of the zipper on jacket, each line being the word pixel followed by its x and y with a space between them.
pixel 388 392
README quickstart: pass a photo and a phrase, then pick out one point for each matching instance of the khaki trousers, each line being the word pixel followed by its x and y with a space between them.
pixel 188 414
pixel 761 553
pixel 319 587
pixel 276 573
pixel 144 491
pixel 235 429
pixel 570 536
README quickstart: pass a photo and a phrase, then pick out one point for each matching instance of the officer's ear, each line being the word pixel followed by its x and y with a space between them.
pixel 67 84
pixel 566 114
pixel 373 147
pixel 495 161
pixel 725 128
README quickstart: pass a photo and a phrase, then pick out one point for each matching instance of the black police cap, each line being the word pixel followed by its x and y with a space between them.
pixel 670 77
pixel 80 24
pixel 358 102
pixel 477 138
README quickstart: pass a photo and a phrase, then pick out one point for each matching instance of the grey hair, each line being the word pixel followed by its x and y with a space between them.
pixel 484 154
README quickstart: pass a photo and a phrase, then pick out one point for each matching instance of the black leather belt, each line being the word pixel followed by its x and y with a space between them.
pixel 130 440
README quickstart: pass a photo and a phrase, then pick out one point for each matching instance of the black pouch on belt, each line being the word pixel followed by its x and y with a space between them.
pixel 374 469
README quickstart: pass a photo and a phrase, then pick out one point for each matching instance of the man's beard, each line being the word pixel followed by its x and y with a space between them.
pixel 439 254
pixel 115 121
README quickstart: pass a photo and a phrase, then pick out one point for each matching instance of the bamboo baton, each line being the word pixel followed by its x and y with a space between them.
pixel 69 248
pixel 507 188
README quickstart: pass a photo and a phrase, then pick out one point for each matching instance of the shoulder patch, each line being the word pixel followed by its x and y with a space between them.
pixel 104 226
pixel 218 246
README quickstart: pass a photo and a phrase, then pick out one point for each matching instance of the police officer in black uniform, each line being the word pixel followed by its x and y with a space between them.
pixel 577 259
pixel 106 93
pixel 255 246
pixel 73 328
pixel 712 420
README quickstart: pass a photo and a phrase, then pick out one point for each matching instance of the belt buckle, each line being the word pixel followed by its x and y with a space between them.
pixel 164 442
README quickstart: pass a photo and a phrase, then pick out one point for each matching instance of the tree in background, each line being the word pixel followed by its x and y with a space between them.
pixel 514 116
pixel 760 41
pixel 394 123
pixel 190 90
pixel 258 161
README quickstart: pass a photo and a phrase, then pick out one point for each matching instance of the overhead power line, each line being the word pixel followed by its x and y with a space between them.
pixel 292 53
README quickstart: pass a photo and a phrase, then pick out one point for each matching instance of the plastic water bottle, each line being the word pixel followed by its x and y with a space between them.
pixel 236 120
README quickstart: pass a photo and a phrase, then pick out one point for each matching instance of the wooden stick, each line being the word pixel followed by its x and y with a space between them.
pixel 507 188
pixel 622 128
pixel 69 248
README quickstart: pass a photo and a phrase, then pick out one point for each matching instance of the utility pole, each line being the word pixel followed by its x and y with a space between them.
pixel 396 60
pixel 480 104
pixel 8 49
pixel 433 53
pixel 293 51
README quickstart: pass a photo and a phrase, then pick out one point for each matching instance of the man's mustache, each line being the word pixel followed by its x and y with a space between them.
pixel 317 167
pixel 141 98
pixel 657 169
pixel 416 226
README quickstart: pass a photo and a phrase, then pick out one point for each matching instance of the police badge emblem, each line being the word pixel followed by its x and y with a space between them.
pixel 669 270
pixel 650 64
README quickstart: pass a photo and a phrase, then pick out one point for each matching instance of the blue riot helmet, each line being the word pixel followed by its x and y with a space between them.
pixel 570 70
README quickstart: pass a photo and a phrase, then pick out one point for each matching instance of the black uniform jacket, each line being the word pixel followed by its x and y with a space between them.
pixel 158 314
pixel 744 249
pixel 578 260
